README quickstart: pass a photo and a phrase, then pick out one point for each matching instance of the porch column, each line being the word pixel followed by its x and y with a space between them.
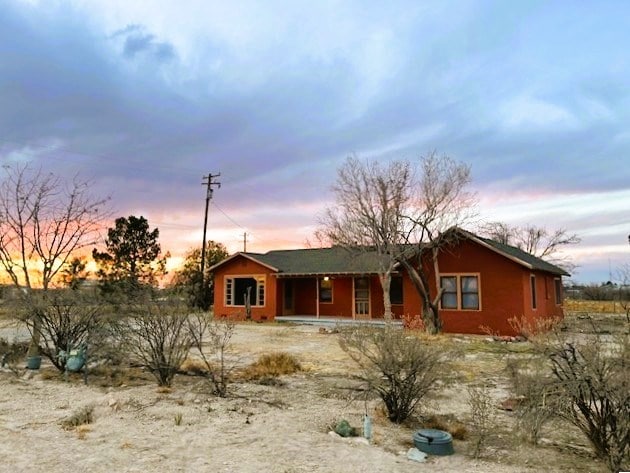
pixel 317 297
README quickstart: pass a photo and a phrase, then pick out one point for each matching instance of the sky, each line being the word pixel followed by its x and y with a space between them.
pixel 144 98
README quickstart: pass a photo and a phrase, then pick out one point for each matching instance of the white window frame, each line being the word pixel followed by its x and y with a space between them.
pixel 258 299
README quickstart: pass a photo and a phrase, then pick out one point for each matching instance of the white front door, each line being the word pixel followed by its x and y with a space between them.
pixel 362 298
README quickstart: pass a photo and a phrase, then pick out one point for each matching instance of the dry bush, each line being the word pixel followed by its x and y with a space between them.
pixel 82 416
pixel 271 365
pixel 483 417
pixel 457 429
pixel 65 320
pixel 194 367
pixel 212 337
pixel 593 381
pixel 399 367
pixel 12 353
pixel 157 336
pixel 535 395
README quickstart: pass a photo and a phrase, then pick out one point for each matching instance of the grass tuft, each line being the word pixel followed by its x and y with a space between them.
pixel 271 365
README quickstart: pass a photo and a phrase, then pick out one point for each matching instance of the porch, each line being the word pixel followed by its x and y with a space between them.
pixel 333 321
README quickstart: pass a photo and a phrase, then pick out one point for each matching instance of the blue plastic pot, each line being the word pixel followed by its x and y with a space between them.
pixel 433 442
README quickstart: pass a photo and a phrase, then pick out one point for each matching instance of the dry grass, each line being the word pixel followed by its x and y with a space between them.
pixel 448 423
pixel 271 365
pixel 194 367
pixel 79 418
pixel 602 307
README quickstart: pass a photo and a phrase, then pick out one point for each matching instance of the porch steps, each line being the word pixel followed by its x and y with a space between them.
pixel 333 321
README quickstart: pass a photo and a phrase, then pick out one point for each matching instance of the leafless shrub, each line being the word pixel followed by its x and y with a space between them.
pixel 483 417
pixel 535 395
pixel 12 353
pixel 65 320
pixel 398 366
pixel 211 337
pixel 156 335
pixel 594 382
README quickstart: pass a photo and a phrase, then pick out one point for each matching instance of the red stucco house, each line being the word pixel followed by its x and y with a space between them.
pixel 485 283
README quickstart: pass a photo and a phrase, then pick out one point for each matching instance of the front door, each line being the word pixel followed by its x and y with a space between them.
pixel 288 298
pixel 361 298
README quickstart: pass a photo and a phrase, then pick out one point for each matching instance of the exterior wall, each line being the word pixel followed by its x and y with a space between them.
pixel 546 306
pixel 241 266
pixel 504 291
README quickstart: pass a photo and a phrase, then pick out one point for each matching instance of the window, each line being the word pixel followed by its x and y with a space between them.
pixel 396 290
pixel 239 288
pixel 325 290
pixel 449 296
pixel 558 289
pixel 460 292
pixel 532 283
pixel 470 292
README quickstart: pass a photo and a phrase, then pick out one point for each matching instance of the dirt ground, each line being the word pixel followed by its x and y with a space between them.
pixel 258 428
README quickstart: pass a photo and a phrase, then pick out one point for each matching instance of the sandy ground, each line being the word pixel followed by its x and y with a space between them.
pixel 257 429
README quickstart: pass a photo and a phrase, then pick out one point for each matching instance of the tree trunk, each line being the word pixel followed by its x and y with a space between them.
pixel 386 279
pixel 430 309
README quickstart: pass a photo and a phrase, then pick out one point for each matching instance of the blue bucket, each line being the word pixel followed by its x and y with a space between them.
pixel 433 441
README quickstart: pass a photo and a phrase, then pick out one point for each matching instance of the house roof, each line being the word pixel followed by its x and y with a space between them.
pixel 327 261
pixel 522 257
pixel 335 260
pixel 343 261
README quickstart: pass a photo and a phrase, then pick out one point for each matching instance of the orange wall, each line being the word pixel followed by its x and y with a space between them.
pixel 241 266
pixel 504 291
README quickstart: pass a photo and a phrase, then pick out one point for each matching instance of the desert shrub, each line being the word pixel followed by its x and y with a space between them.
pixel 11 353
pixel 82 416
pixel 272 365
pixel 535 395
pixel 211 338
pixel 399 367
pixel 593 380
pixel 482 416
pixel 64 320
pixel 156 334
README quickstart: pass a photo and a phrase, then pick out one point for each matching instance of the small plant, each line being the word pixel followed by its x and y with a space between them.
pixel 83 416
pixel 483 417
pixel 344 429
pixel 399 367
pixel 178 418
pixel 535 397
pixel 214 336
pixel 270 366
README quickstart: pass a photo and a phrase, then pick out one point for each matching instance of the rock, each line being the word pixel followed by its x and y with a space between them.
pixel 334 435
pixel 416 455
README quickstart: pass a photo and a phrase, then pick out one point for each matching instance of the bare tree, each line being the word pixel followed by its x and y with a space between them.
pixel 368 214
pixel 439 205
pixel 43 221
pixel 538 241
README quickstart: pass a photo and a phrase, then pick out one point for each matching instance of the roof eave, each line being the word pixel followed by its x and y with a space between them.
pixel 244 255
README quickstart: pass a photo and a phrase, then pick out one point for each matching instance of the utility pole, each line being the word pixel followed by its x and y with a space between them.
pixel 207 181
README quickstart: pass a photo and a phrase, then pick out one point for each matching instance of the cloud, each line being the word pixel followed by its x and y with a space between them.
pixel 528 114
pixel 138 42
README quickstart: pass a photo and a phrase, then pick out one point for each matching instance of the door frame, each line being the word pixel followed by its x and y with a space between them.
pixel 355 315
